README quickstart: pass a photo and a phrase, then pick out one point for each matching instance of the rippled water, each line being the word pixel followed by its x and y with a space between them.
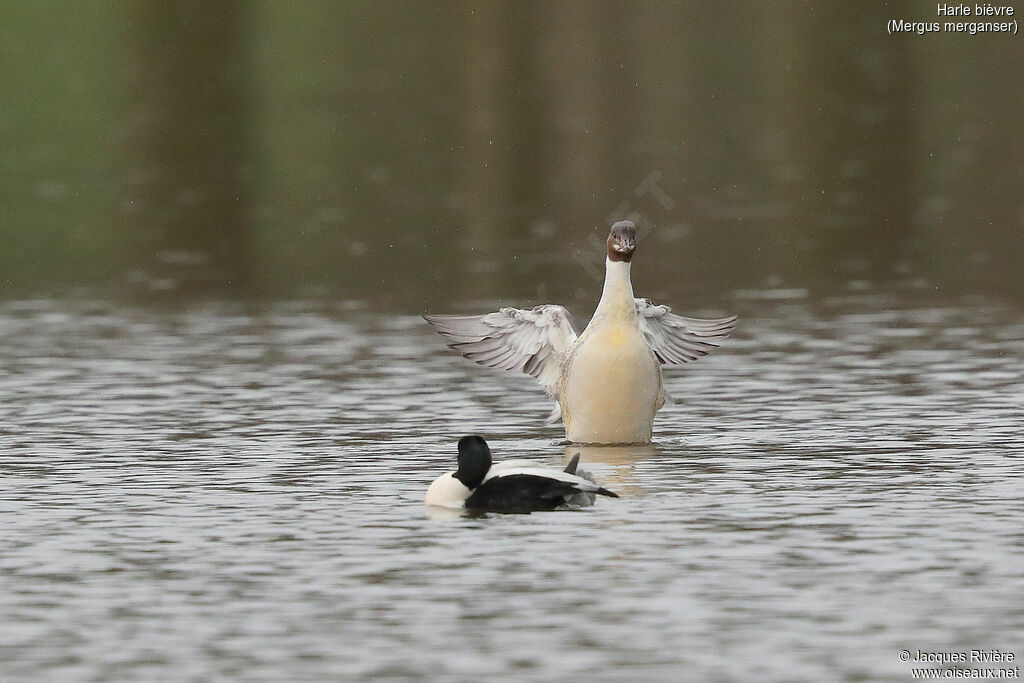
pixel 235 492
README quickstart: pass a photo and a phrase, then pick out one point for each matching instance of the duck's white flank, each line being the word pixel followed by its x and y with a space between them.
pixel 447 492
pixel 611 382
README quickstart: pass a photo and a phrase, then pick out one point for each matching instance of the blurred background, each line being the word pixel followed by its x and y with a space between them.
pixel 415 155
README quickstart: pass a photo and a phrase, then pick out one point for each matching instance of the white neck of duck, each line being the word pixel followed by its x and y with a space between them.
pixel 617 296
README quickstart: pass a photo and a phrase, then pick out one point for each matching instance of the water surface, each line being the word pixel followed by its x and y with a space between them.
pixel 234 491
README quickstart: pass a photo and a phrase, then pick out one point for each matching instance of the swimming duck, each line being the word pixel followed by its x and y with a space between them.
pixel 510 486
pixel 607 381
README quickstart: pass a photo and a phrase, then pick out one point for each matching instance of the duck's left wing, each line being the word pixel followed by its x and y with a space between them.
pixel 675 339
pixel 534 340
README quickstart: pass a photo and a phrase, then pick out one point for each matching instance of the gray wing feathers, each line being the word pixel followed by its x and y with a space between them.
pixel 675 339
pixel 532 340
pixel 555 416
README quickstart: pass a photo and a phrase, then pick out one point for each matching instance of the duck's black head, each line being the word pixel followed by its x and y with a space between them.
pixel 622 241
pixel 474 460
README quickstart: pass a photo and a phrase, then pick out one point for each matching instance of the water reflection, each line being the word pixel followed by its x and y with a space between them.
pixel 416 155
pixel 186 196
pixel 610 455
pixel 613 466
pixel 443 514
pixel 856 145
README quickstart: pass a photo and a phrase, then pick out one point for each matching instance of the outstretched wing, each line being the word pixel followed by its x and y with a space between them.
pixel 534 341
pixel 675 339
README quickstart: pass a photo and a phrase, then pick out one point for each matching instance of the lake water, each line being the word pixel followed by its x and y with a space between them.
pixel 231 491
pixel 220 410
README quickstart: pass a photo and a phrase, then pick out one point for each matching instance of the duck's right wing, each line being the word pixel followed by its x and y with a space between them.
pixel 534 341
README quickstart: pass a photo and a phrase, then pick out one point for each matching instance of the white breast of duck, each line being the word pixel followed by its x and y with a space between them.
pixel 509 486
pixel 611 383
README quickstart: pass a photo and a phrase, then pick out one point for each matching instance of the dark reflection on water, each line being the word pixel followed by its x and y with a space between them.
pixel 412 153
pixel 236 491
pixel 185 196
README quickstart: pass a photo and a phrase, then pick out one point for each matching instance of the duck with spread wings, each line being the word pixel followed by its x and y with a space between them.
pixel 607 381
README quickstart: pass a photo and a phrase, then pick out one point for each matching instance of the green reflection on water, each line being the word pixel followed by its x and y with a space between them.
pixel 426 154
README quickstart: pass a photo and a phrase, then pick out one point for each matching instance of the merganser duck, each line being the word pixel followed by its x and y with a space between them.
pixel 510 486
pixel 607 381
